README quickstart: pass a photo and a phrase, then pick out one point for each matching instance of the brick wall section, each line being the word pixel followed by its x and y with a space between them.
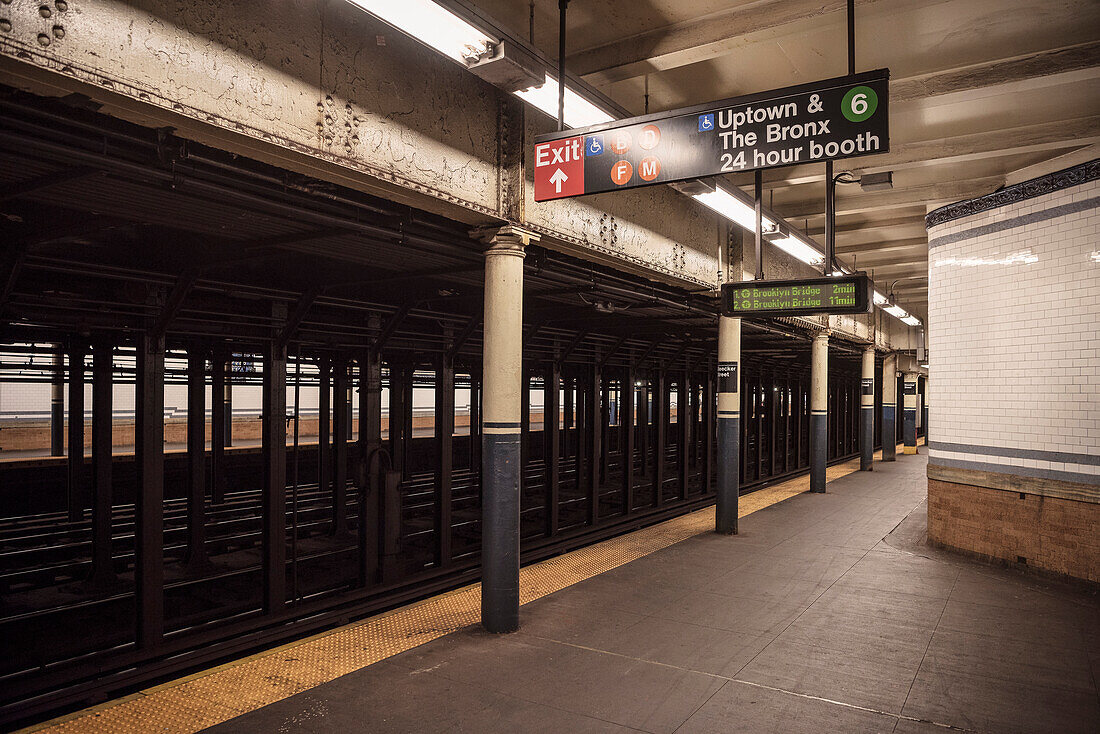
pixel 1056 535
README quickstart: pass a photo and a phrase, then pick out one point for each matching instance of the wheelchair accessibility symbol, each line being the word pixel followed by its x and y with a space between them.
pixel 706 122
pixel 593 146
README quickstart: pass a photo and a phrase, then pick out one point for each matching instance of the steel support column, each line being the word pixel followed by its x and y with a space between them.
pixel 627 433
pixel 228 415
pixel 889 407
pixel 819 410
pixel 340 436
pixel 909 413
pixel 75 499
pixel 196 457
pixel 729 424
pixel 595 423
pixel 683 431
pixel 475 425
pixel 103 572
pixel 660 417
pixel 324 444
pixel 370 489
pixel 217 427
pixel 605 426
pixel 551 438
pixel 274 491
pixel 711 423
pixel 502 364
pixel 444 438
pixel 867 411
pixel 57 403
pixel 149 504
pixel 643 426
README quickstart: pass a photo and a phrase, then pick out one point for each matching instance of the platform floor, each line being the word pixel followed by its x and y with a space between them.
pixel 827 613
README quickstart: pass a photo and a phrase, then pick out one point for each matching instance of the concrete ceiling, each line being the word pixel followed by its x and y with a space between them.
pixel 983 93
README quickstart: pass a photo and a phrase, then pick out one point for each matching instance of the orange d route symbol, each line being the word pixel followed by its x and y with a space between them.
pixel 621 172
pixel 651 135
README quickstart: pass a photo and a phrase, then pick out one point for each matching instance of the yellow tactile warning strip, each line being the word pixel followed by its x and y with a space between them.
pixel 218 694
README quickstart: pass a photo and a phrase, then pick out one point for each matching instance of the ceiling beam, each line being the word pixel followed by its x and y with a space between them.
pixel 886 259
pixel 989 144
pixel 995 73
pixel 1060 163
pixel 718 34
pixel 843 228
pixel 902 270
pixel 868 248
pixel 695 40
pixel 1054 135
pixel 860 201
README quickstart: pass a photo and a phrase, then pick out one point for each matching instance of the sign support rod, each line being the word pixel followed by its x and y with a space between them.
pixel 830 220
pixel 563 5
pixel 758 180
pixel 851 37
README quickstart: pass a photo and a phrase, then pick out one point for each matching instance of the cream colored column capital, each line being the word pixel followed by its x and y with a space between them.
pixel 506 240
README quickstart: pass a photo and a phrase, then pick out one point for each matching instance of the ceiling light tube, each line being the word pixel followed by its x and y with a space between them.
pixel 579 112
pixel 733 207
pixel 432 25
pixel 911 320
pixel 798 248
pixel 896 311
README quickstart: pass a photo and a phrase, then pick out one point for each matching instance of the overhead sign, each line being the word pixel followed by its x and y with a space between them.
pixel 837 118
pixel 843 294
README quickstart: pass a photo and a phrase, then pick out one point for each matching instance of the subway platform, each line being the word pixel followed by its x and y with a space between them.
pixel 827 613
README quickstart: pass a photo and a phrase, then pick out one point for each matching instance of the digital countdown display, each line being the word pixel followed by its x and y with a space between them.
pixel 843 294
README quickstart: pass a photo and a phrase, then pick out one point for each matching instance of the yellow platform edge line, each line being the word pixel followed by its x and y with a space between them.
pixel 211 696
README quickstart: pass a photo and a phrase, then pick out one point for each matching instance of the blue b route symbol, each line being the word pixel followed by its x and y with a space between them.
pixel 593 145
pixel 706 122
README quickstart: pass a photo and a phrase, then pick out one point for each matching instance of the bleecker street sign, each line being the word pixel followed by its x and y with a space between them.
pixel 836 118
pixel 842 294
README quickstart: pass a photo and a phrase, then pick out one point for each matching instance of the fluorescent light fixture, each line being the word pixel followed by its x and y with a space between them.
pixel 743 213
pixel 911 320
pixel 879 298
pixel 579 112
pixel 433 25
pixel 896 311
pixel 800 249
pixel 734 208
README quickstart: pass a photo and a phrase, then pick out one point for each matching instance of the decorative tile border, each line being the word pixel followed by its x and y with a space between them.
pixel 1060 457
pixel 986 229
pixel 1019 192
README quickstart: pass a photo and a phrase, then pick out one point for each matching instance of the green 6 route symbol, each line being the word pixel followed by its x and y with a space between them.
pixel 859 104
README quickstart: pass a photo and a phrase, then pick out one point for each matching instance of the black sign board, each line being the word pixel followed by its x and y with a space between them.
pixel 868 385
pixel 843 117
pixel 727 377
pixel 841 294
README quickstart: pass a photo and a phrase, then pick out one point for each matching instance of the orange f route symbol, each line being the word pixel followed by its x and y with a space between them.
pixel 621 172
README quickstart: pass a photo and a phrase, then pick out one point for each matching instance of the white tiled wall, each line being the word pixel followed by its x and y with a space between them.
pixel 1015 319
